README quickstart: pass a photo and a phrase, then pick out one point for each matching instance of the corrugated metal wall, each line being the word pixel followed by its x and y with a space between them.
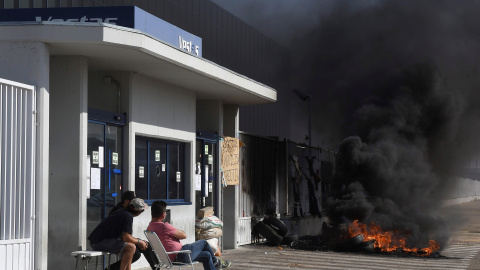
pixel 270 184
pixel 258 167
pixel 306 193
pixel 17 141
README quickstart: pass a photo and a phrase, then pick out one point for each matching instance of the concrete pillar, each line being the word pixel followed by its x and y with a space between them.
pixel 68 151
pixel 231 194
pixel 28 62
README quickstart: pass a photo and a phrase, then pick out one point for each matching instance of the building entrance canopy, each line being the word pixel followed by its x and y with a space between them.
pixel 117 48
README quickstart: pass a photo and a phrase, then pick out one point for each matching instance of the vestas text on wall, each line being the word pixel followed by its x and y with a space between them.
pixel 188 46
pixel 82 19
pixel 126 16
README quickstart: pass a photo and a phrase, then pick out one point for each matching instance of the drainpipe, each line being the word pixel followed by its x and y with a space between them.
pixel 286 176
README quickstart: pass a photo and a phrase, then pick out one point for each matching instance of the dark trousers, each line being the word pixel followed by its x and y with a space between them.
pixel 148 253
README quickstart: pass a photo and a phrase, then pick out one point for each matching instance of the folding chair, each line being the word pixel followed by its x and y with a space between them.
pixel 162 254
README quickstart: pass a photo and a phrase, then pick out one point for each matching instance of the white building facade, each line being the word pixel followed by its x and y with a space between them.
pixel 118 109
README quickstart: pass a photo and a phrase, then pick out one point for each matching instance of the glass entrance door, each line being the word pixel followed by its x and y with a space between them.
pixel 206 173
pixel 105 155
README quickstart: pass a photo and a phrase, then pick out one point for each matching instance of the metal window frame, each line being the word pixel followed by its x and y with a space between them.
pixel 107 119
pixel 209 137
pixel 183 170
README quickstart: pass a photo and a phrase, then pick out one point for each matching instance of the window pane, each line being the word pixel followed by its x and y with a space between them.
pixel 141 155
pixel 113 161
pixel 198 172
pixel 160 160
pixel 157 170
pixel 95 209
pixel 176 163
pixel 210 176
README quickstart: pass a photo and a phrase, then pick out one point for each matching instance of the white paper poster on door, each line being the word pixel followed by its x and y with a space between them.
pixel 95 178
pixel 88 177
pixel 100 156
pixel 88 188
pixel 205 187
pixel 198 182
pixel 88 167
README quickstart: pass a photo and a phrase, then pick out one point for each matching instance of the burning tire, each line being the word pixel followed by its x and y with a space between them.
pixel 289 238
pixel 278 225
pixel 351 243
pixel 367 246
pixel 268 233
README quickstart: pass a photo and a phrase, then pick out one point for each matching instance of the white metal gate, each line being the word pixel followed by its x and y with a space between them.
pixel 244 231
pixel 17 160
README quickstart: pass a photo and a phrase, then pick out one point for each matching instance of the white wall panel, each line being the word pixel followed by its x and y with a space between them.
pixel 164 111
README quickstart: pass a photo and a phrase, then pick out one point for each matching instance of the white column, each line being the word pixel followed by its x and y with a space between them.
pixel 231 194
pixel 68 151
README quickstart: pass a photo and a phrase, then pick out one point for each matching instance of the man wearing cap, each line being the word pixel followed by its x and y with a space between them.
pixel 127 197
pixel 114 235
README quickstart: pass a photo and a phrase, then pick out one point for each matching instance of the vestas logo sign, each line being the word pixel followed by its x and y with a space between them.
pixel 82 19
pixel 188 46
pixel 125 16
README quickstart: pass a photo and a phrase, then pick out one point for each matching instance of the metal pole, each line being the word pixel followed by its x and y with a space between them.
pixel 287 178
pixel 309 127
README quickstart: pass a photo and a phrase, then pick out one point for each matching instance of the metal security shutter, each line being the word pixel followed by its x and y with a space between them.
pixel 17 158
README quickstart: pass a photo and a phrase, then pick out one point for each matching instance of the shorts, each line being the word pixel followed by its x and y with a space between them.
pixel 111 245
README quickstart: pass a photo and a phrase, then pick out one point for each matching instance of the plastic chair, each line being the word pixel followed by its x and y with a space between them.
pixel 162 254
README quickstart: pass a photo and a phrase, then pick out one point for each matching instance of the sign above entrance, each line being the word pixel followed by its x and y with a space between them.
pixel 127 16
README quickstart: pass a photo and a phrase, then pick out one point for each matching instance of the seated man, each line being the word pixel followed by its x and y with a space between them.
pixel 127 197
pixel 114 235
pixel 170 237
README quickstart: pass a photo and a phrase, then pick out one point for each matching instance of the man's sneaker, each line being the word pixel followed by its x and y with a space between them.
pixel 225 264
pixel 217 264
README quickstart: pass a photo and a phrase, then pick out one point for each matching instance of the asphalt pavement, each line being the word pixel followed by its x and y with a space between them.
pixel 462 251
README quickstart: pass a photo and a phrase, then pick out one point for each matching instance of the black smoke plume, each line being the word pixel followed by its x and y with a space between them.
pixel 400 81
pixel 391 175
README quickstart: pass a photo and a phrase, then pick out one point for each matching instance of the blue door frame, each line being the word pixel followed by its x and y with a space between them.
pixel 208 138
pixel 108 119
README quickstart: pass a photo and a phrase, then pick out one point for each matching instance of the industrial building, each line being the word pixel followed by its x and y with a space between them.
pixel 119 97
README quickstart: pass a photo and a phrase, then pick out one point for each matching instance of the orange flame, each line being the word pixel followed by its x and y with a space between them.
pixel 388 241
